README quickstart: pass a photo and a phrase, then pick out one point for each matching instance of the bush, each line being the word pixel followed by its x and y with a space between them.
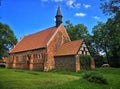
pixel 85 62
pixel 95 77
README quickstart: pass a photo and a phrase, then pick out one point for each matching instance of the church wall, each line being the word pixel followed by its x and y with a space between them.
pixel 60 37
pixel 9 61
pixel 33 60
pixel 70 62
pixel 66 62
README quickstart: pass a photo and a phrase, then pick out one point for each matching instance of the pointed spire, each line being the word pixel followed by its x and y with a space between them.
pixel 58 17
pixel 58 11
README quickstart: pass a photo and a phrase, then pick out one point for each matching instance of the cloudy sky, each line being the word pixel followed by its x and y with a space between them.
pixel 30 16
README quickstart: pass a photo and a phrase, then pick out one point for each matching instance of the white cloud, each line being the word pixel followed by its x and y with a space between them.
pixel 77 5
pixel 70 3
pixel 96 18
pixel 73 4
pixel 86 6
pixel 80 14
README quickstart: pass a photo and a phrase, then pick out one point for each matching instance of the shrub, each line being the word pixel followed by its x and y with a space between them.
pixel 95 77
pixel 85 62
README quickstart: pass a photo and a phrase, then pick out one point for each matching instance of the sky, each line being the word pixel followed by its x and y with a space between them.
pixel 30 16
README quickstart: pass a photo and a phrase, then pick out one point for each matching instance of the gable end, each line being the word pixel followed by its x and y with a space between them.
pixel 83 49
pixel 56 33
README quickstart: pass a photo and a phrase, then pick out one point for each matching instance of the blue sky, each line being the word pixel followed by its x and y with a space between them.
pixel 29 16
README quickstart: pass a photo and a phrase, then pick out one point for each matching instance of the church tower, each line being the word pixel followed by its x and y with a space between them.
pixel 58 17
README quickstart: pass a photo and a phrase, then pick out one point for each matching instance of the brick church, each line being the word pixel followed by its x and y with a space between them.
pixel 48 49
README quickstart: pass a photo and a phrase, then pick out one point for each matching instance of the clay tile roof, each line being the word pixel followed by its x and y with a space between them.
pixel 34 41
pixel 69 48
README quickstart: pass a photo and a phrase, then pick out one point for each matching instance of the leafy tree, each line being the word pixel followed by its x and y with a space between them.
pixel 76 31
pixel 114 41
pixel 100 37
pixel 112 8
pixel 7 39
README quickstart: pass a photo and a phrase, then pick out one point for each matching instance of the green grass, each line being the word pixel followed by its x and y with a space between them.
pixel 56 79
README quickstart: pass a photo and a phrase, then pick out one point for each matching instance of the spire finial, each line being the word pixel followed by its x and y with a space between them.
pixel 58 17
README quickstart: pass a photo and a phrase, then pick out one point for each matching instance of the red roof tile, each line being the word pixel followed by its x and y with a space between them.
pixel 34 41
pixel 69 48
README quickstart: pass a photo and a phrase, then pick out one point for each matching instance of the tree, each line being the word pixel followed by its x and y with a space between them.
pixel 76 32
pixel 100 39
pixel 112 8
pixel 114 41
pixel 7 39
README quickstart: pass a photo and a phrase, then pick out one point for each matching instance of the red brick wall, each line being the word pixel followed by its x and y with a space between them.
pixel 21 61
pixel 77 63
pixel 60 37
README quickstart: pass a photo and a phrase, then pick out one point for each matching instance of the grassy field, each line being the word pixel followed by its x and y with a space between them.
pixel 23 79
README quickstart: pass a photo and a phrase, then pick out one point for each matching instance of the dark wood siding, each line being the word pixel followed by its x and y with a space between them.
pixel 65 62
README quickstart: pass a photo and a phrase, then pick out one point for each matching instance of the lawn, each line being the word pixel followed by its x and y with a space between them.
pixel 24 79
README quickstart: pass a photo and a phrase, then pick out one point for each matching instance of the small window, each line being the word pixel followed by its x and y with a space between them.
pixel 39 56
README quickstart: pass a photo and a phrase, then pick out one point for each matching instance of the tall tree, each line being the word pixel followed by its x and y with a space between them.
pixel 100 39
pixel 7 39
pixel 112 8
